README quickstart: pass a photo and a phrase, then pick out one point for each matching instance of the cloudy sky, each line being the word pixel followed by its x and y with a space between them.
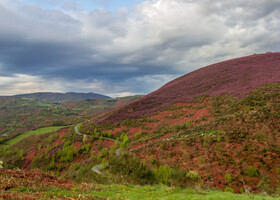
pixel 125 47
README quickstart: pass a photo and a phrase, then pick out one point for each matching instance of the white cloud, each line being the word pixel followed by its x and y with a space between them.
pixel 128 50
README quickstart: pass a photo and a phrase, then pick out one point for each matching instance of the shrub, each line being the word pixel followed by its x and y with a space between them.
pixel 51 139
pixel 193 175
pixel 68 153
pixel 108 134
pixel 187 124
pixel 85 148
pixel 66 144
pixel 204 143
pixel 219 138
pixel 151 160
pixel 52 165
pixel 251 171
pixel 137 135
pixel 130 169
pixel 229 189
pixel 85 138
pixel 125 141
pixel 104 153
pixel 163 174
pixel 100 145
pixel 77 166
pixel 228 177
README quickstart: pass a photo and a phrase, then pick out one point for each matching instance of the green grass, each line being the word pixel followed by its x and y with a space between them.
pixel 163 192
pixel 37 104
pixel 158 192
pixel 28 99
pixel 34 132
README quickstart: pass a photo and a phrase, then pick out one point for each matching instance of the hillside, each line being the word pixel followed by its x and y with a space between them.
pixel 237 77
pixel 19 115
pixel 219 132
pixel 58 97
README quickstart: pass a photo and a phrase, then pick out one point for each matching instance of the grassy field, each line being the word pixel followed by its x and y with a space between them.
pixel 34 132
pixel 131 192
pixel 164 192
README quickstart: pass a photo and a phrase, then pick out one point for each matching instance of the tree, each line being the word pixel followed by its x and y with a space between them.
pixel 85 138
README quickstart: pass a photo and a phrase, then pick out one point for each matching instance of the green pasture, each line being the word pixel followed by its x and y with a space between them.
pixel 34 132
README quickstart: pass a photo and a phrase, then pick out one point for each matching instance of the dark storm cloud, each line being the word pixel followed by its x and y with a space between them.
pixel 122 51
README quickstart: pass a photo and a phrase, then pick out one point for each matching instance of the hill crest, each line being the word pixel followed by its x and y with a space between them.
pixel 238 76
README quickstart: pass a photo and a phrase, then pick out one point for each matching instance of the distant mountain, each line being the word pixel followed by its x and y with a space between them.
pixel 237 77
pixel 58 97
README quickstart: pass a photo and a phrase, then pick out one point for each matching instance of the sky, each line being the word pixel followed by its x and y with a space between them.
pixel 125 47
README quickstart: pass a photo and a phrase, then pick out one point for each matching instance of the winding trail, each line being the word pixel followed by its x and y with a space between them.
pixel 98 167
pixel 77 131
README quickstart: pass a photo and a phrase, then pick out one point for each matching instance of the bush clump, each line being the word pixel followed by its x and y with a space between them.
pixel 85 148
pixel 252 172
pixel 228 177
pixel 125 141
pixel 137 135
pixel 163 174
pixel 130 169
pixel 193 175
pixel 68 153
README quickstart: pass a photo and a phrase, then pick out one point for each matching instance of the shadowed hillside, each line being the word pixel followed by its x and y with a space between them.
pixel 237 77
pixel 56 97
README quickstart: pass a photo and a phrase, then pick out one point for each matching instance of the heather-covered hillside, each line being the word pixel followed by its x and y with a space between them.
pixel 237 77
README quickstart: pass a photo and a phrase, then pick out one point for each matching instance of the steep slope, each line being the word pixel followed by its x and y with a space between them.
pixel 237 77
pixel 57 97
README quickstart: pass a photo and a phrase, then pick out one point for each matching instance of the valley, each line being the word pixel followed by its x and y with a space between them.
pixel 211 134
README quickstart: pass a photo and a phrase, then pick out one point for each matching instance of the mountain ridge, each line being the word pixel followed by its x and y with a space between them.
pixel 57 97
